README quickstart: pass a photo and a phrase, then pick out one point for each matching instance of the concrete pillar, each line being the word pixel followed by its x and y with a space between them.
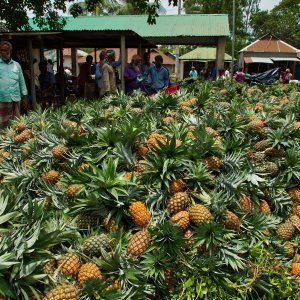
pixel 181 69
pixel 124 60
pixel 42 56
pixel 74 61
pixel 220 53
pixel 32 81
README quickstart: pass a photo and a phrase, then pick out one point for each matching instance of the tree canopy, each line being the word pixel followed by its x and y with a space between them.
pixel 47 13
pixel 283 21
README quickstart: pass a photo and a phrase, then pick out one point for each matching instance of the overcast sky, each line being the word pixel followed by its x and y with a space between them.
pixel 265 5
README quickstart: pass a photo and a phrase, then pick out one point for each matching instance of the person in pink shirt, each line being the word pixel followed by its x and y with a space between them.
pixel 240 76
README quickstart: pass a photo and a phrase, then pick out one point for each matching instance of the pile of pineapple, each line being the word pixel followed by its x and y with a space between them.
pixel 194 195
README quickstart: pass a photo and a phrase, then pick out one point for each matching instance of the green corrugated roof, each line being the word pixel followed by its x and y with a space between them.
pixel 166 26
pixel 204 54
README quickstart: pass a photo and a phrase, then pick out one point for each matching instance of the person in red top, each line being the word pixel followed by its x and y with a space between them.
pixel 84 74
pixel 240 76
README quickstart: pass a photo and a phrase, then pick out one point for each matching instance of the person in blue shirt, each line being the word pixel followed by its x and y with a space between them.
pixel 213 73
pixel 159 75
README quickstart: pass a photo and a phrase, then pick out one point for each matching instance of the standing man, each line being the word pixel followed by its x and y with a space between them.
pixel 159 75
pixel 193 73
pixel 12 85
pixel 84 74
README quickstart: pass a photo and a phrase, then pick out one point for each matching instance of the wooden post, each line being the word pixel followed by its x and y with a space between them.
pixel 61 73
pixel 124 60
pixel 220 54
pixel 95 54
pixel 74 61
pixel 42 56
pixel 181 69
pixel 32 82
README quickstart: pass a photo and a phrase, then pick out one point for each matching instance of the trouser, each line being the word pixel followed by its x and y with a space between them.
pixel 9 110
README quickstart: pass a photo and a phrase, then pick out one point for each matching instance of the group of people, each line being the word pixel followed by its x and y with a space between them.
pixel 138 74
pixel 209 73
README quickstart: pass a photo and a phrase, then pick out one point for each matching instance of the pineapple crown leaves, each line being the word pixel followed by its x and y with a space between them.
pixel 155 263
pixel 99 287
pixel 232 161
pixel 7 208
pixel 212 235
pixel 168 238
pixel 108 136
pixel 231 183
pixel 169 148
pixel 23 178
pixel 290 166
pixel 165 101
pixel 256 224
pixel 126 156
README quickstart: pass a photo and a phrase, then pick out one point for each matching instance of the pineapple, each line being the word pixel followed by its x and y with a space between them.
pixel 169 279
pixel 92 246
pixel 69 264
pixel 70 124
pixel 59 152
pixel 110 224
pixel 138 243
pixel 87 221
pixel 296 265
pixel 139 213
pixel 72 190
pixel 295 220
pixel 88 271
pixel 178 202
pixel 199 214
pixel 168 120
pixel 177 185
pixel 264 207
pixel 210 131
pixel 232 221
pixel 51 176
pixel 294 193
pixel 246 203
pixel 19 127
pixel 188 236
pixel 142 150
pixel 272 152
pixel 49 266
pixel 63 291
pixel 83 167
pixel 268 167
pixel 262 145
pixel 257 157
pixel 296 210
pixel 213 162
pixel 285 231
pixel 153 138
pixel 141 167
pixel 129 175
pixel 23 136
pixel 289 249
pixel 256 125
pixel 182 219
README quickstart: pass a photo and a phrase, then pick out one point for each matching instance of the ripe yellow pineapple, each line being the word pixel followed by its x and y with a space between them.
pixel 285 231
pixel 141 166
pixel 177 185
pixel 294 193
pixel 49 266
pixel 19 127
pixel 213 162
pixel 51 176
pixel 189 238
pixel 130 175
pixel 88 271
pixel 232 221
pixel 83 167
pixel 256 125
pixel 246 203
pixel 138 243
pixel 59 151
pixel 139 213
pixel 178 202
pixel 63 291
pixel 23 136
pixel 168 120
pixel 295 220
pixel 264 207
pixel 169 279
pixel 72 190
pixel 296 210
pixel 199 214
pixel 211 131
pixel 182 219
pixel 153 138
pixel 69 264
pixel 70 124
pixel 142 150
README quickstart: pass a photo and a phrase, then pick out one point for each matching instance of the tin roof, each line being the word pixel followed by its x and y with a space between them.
pixel 169 29
pixel 203 54
pixel 270 43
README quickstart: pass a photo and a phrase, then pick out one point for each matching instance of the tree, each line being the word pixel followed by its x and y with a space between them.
pixel 283 21
pixel 47 13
